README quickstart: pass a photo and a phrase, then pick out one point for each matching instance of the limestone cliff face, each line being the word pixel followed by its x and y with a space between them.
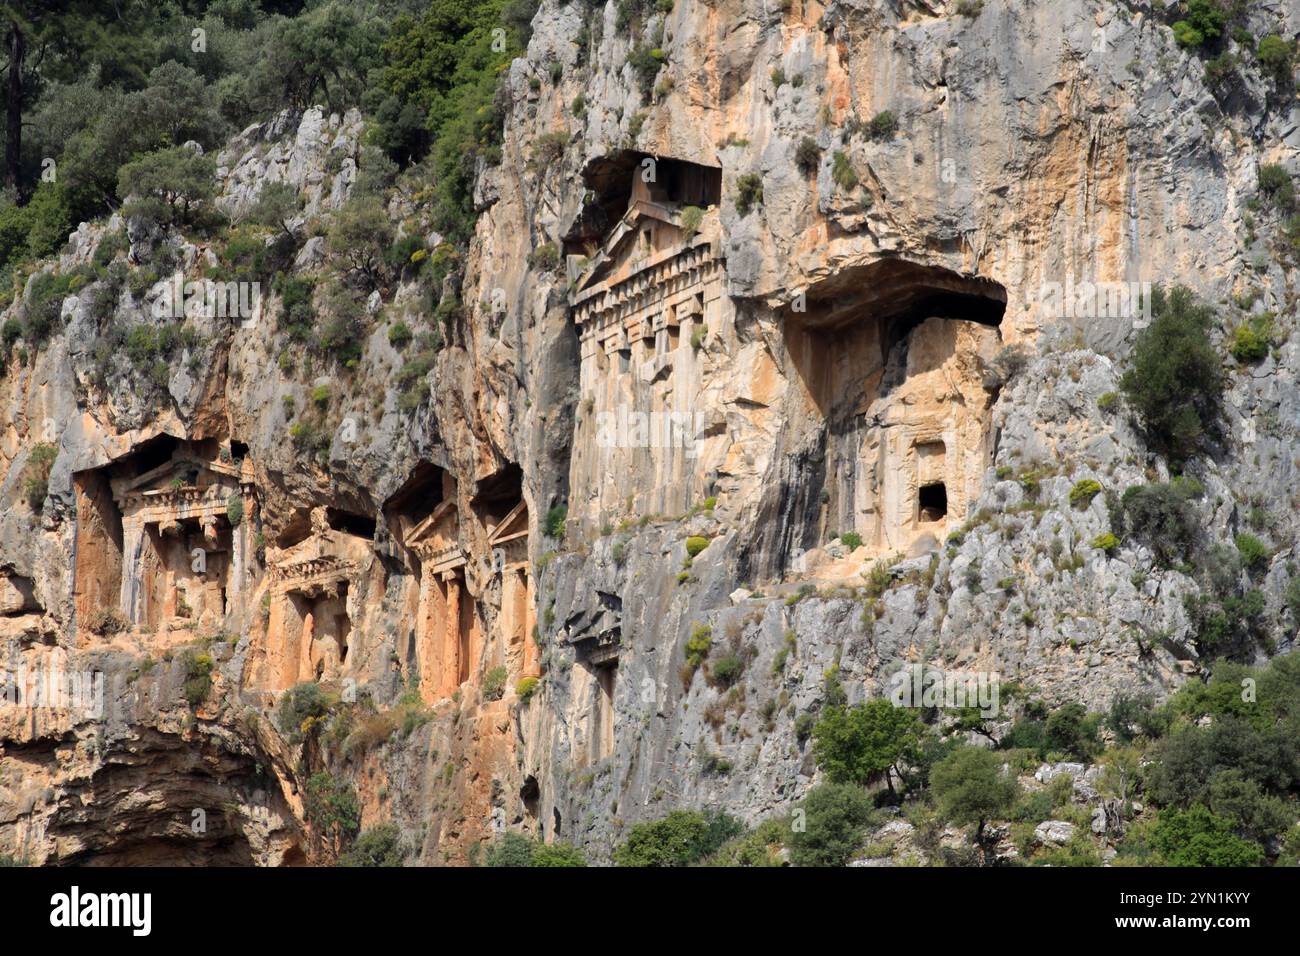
pixel 707 297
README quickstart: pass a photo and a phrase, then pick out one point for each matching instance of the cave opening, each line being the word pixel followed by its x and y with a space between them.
pixel 932 502
pixel 893 357
pixel 616 181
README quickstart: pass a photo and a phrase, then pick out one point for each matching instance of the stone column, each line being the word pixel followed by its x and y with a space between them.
pixel 451 635
pixel 532 663
pixel 133 535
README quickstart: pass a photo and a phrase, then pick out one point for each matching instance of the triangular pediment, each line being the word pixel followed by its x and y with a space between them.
pixel 188 469
pixel 439 526
pixel 512 526
pixel 620 244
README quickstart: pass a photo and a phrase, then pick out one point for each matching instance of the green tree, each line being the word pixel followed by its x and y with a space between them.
pixel 331 805
pixel 679 839
pixel 834 821
pixel 378 846
pixel 1197 837
pixel 971 787
pixel 858 744
pixel 169 186
pixel 1176 382
pixel 360 237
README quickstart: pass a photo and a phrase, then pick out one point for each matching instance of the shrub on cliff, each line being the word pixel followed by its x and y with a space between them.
pixel 679 839
pixel 494 683
pixel 1276 56
pixel 36 474
pixel 168 186
pixel 330 804
pixel 858 744
pixel 198 677
pixel 1203 23
pixel 301 707
pixel 106 621
pixel 1198 837
pixel 807 156
pixel 378 846
pixel 749 192
pixel 1163 515
pixel 971 787
pixel 1175 384
pixel 361 236
pixel 829 825
pixel 516 850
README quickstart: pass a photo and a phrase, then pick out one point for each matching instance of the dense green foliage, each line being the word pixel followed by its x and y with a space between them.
pixel 1175 384
pixel 835 818
pixel 516 850
pixel 378 846
pixel 859 744
pixel 679 839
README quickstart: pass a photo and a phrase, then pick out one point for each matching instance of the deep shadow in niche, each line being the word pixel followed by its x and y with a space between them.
pixel 849 344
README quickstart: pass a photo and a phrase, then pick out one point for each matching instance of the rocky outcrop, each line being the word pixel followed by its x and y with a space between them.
pixel 756 382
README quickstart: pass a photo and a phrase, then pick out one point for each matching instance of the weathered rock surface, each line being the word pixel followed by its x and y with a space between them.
pixel 845 373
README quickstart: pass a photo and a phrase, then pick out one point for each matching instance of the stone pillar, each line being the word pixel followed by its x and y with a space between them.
pixel 451 635
pixel 532 662
pixel 306 666
pixel 133 535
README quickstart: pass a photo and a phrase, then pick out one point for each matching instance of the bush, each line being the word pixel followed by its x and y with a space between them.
pixel 360 237
pixel 526 688
pixel 378 846
pixel 545 257
pixel 749 192
pixel 883 125
pixel 235 510
pixel 695 544
pixel 1106 541
pixel 198 677
pixel 970 787
pixel 807 156
pixel 169 186
pixel 105 621
pixel 842 172
pixel 1204 23
pixel 1084 491
pixel 851 540
pixel 1252 340
pixel 1254 553
pixel 36 474
pixel 1072 731
pixel 556 518
pixel 697 646
pixel 835 819
pixel 1197 837
pixel 1175 385
pixel 399 335
pixel 726 670
pixel 1163 515
pixel 1276 184
pixel 858 744
pixel 679 839
pixel 557 855
pixel 692 216
pixel 494 683
pixel 330 804
pixel 302 707
pixel 1275 55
